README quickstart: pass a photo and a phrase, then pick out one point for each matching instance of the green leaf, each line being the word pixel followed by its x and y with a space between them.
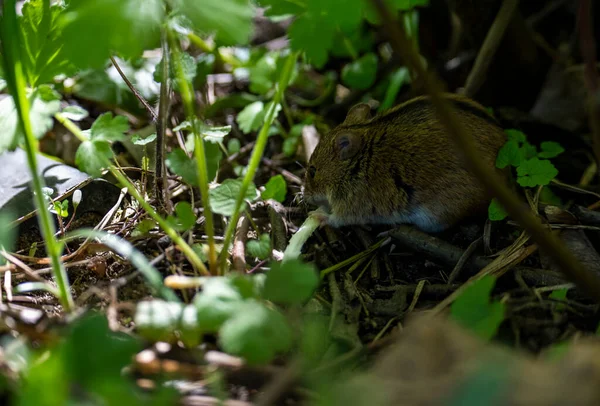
pixel 291 282
pixel 282 7
pixel 550 149
pixel 219 300
pixel 7 233
pixel 233 146
pixel 256 333
pixel 213 154
pixel 158 320
pixel 182 165
pixel 229 20
pixel 190 331
pixel 474 310
pixel 137 140
pixel 290 146
pixel 312 36
pixel 529 151
pixel 95 29
pixel 515 135
pixel 560 294
pixel 223 197
pixel 276 189
pixel 547 196
pixel 361 73
pixel 535 172
pixel 496 211
pixel 260 248
pixel 107 128
pixel 43 104
pixel 143 228
pixel 509 154
pixel 44 56
pixel 263 73
pixel 251 117
pixel 74 113
pixel 94 156
pixel 215 134
pixel 188 66
pixel 184 218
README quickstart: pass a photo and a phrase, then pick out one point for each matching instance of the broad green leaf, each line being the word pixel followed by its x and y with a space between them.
pixel 44 56
pixel 260 248
pixel 184 218
pixel 361 73
pixel 137 140
pixel 495 211
pixel 509 154
pixel 474 310
pixel 291 282
pixel 187 64
pixel 219 300
pixel 313 36
pixel 251 117
pixel 182 165
pixel 515 135
pixel 44 104
pixel 282 7
pixel 213 155
pixel 74 113
pixel 276 189
pixel 535 172
pixel 223 197
pixel 529 151
pixel 229 20
pixel 96 29
pixel 256 333
pixel 560 294
pixel 263 73
pixel 233 145
pixel 190 331
pixel 215 134
pixel 107 128
pixel 550 149
pixel 143 228
pixel 290 146
pixel 7 234
pixel 158 320
pixel 94 156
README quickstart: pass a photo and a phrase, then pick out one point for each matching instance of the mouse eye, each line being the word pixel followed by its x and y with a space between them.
pixel 312 171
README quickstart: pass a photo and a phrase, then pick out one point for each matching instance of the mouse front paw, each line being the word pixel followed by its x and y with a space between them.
pixel 321 215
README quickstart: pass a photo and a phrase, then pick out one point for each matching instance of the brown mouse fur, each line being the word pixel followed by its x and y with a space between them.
pixel 400 167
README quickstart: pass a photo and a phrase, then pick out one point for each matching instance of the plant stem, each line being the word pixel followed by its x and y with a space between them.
pixel 160 172
pixel 16 81
pixel 162 223
pixel 187 97
pixel 257 153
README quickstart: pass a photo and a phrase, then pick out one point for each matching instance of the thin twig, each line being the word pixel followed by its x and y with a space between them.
pixel 135 92
pixel 489 47
pixel 570 266
pixel 160 179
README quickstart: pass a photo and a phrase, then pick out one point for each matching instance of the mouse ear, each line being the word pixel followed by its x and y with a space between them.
pixel 358 114
pixel 347 145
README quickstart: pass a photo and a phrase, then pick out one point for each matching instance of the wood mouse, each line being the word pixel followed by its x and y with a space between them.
pixel 400 167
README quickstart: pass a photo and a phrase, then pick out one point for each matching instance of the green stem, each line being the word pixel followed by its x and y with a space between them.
pixel 257 153
pixel 200 154
pixel 162 223
pixel 17 85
